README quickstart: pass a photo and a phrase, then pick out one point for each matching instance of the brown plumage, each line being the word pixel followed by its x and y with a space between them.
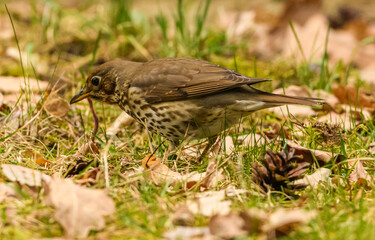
pixel 180 97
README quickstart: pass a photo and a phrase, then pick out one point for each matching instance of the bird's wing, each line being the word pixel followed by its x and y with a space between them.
pixel 172 79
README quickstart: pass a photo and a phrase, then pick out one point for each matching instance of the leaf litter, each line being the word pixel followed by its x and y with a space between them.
pixel 76 208
pixel 210 186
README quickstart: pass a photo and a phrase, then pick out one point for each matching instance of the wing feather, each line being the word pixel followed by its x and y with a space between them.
pixel 172 79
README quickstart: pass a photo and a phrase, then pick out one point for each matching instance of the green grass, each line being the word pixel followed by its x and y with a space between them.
pixel 143 209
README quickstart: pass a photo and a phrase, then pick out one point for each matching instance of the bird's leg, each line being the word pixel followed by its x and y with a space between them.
pixel 172 149
pixel 210 146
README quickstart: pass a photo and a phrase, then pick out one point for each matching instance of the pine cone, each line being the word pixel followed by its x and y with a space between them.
pixel 279 170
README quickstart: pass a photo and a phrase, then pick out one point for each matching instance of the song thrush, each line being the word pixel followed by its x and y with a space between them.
pixel 180 97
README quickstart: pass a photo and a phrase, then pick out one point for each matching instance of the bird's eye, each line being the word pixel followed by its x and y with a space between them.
pixel 95 80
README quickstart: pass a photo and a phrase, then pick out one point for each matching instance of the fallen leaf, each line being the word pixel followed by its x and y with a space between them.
pixel 56 105
pixel 90 177
pixel 6 32
pixel 294 91
pixel 229 145
pixel 187 233
pixel 252 140
pixel 294 110
pixel 365 57
pixel 359 175
pixel 121 121
pixel 7 192
pixel 274 131
pixel 371 148
pixel 23 175
pixel 344 120
pixel 352 95
pixel 158 172
pixel 87 148
pixel 283 221
pixel 254 219
pixel 299 11
pixel 309 155
pixel 331 102
pixel 36 157
pixel 76 167
pixel 182 216
pixel 212 176
pixel 150 160
pixel 368 75
pixel 209 203
pixel 232 191
pixel 78 209
pixel 313 180
pixel 228 226
pixel 16 84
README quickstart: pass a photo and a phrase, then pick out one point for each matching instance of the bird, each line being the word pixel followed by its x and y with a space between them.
pixel 181 98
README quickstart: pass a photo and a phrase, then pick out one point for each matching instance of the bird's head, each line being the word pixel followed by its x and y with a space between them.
pixel 100 84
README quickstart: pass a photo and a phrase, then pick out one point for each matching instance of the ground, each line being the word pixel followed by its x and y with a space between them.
pixel 125 186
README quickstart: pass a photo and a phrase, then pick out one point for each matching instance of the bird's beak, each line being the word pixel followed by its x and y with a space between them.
pixel 82 94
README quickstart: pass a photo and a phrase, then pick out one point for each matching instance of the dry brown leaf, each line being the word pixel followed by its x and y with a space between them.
pixel 234 225
pixel 313 180
pixel 158 172
pixel 23 175
pixel 229 145
pixel 206 180
pixel 78 209
pixel 123 120
pixel 359 175
pixel 330 101
pixel 87 148
pixel 365 57
pixel 6 31
pixel 7 192
pixel 149 160
pixel 353 96
pixel 283 221
pixel 253 140
pixel 228 226
pixel 232 191
pixel 182 216
pixel 212 176
pixel 275 131
pixel 299 11
pixel 310 154
pixel 344 120
pixel 371 148
pixel 294 91
pixel 209 203
pixel 90 177
pixel 294 110
pixel 56 105
pixel 36 157
pixel 15 84
pixel 188 233
pixel 349 118
pixel 368 75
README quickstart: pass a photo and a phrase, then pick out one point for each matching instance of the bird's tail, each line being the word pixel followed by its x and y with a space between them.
pixel 279 100
pixel 257 100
